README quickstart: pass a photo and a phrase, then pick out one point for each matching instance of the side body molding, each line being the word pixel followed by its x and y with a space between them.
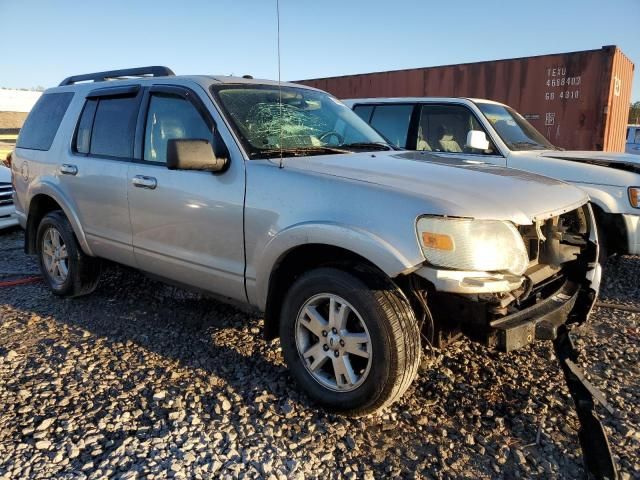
pixel 49 189
pixel 359 241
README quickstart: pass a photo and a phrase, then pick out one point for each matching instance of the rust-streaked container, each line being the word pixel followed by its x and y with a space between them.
pixel 578 100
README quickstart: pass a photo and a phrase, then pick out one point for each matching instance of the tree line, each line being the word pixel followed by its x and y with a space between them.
pixel 634 113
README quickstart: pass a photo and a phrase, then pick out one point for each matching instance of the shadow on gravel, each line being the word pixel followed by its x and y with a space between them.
pixel 185 328
pixel 616 284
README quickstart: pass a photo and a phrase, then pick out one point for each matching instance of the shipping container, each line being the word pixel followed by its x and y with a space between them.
pixel 578 100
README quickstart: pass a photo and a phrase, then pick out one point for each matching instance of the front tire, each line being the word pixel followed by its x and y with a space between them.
pixel 64 266
pixel 352 344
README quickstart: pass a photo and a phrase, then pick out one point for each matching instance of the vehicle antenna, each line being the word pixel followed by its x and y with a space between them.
pixel 279 80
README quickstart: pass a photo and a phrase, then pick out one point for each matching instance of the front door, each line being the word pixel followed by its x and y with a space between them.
pixel 443 130
pixel 187 225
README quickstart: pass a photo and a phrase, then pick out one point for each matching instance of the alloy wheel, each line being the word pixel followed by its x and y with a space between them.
pixel 333 342
pixel 54 256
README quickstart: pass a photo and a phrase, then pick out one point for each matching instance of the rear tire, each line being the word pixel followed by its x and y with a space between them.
pixel 64 266
pixel 379 365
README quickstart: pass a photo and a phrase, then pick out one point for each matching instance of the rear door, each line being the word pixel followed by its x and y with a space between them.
pixel 94 170
pixel 187 225
pixel 393 121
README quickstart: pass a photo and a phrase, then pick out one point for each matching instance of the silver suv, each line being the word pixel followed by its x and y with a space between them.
pixel 280 197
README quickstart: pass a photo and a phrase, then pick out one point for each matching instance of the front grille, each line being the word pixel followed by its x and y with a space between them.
pixel 6 194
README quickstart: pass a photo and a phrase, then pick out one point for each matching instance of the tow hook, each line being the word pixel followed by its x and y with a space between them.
pixel 596 451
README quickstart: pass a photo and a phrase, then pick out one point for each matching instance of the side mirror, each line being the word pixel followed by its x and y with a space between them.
pixel 194 154
pixel 477 140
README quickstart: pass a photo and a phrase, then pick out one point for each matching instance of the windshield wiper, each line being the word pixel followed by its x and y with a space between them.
pixel 527 144
pixel 367 146
pixel 297 151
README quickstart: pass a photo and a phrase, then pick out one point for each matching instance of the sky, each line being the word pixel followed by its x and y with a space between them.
pixel 45 41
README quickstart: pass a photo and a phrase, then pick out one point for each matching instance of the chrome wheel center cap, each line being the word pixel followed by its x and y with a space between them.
pixel 333 340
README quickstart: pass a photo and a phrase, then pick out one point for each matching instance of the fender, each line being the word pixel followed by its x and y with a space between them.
pixel 40 187
pixel 609 198
pixel 359 241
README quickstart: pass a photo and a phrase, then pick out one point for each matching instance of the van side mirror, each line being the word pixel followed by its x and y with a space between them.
pixel 477 140
pixel 195 154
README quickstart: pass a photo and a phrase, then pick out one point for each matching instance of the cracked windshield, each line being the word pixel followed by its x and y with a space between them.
pixel 295 120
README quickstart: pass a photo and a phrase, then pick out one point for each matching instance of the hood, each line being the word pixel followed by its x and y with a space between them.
pixel 621 161
pixel 454 187
pixel 5 174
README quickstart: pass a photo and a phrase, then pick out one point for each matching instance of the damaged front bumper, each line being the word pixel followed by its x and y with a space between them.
pixel 507 312
pixel 558 301
pixel 542 321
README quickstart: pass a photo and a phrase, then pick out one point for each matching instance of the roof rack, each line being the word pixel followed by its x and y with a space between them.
pixel 154 71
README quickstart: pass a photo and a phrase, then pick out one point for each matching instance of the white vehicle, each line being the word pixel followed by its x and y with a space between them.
pixel 8 217
pixel 491 132
pixel 633 139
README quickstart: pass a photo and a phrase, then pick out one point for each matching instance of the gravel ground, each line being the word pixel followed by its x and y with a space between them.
pixel 145 380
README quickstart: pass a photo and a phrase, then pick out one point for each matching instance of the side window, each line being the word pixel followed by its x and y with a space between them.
pixel 114 127
pixel 171 117
pixel 637 136
pixel 364 112
pixel 392 121
pixel 444 128
pixel 42 124
pixel 83 132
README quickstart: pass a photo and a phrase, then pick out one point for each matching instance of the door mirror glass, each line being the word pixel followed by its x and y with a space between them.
pixel 477 140
pixel 194 154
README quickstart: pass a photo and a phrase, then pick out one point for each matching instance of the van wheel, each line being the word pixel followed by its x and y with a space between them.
pixel 64 266
pixel 352 345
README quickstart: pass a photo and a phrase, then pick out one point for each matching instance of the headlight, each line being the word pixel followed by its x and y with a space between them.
pixel 634 196
pixel 478 245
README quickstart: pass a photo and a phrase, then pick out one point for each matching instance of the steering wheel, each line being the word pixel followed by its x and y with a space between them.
pixel 332 133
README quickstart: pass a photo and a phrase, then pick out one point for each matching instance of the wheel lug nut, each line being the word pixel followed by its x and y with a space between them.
pixel 342 343
pixel 334 330
pixel 324 333
pixel 336 353
pixel 325 347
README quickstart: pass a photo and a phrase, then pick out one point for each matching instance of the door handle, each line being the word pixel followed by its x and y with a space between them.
pixel 67 169
pixel 142 181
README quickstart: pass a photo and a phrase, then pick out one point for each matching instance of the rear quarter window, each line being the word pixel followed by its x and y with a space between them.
pixel 43 121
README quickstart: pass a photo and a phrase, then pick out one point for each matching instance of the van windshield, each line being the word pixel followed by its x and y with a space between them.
pixel 307 122
pixel 514 130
